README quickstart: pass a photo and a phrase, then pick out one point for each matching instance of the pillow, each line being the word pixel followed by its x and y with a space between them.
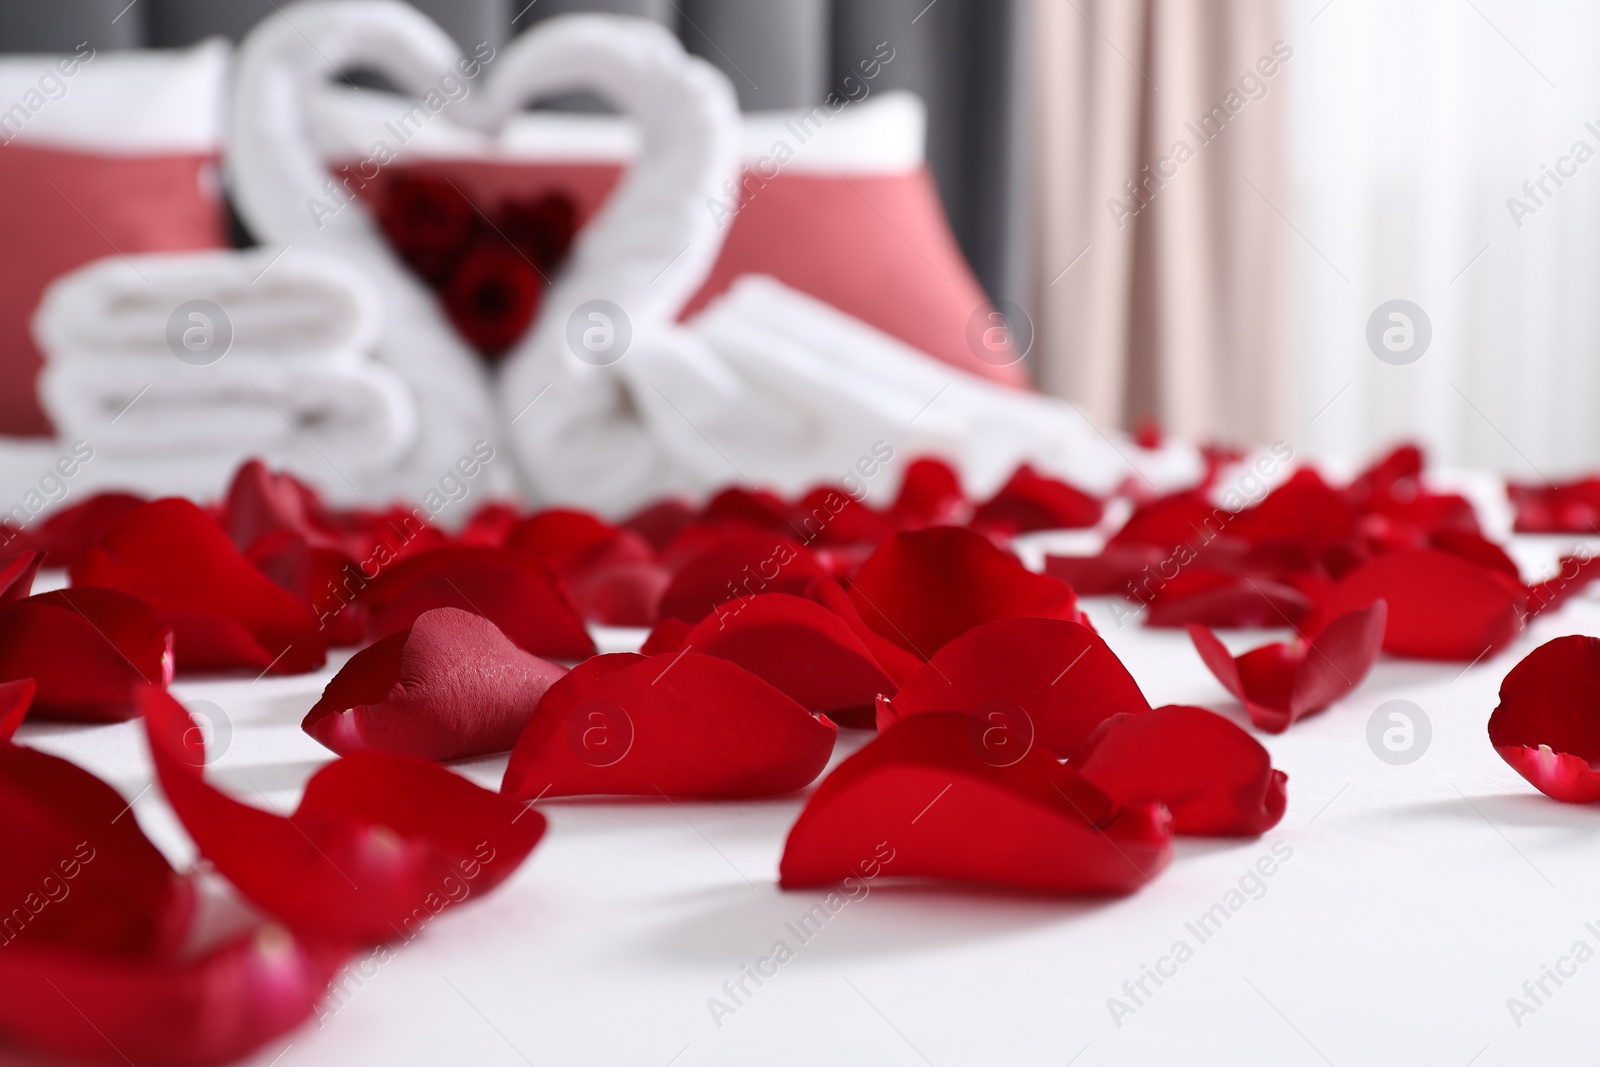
pixel 101 154
pixel 851 216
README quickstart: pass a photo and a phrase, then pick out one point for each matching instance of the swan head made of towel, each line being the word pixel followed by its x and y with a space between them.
pixel 575 426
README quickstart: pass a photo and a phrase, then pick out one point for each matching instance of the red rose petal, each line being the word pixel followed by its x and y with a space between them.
pixel 930 494
pixel 925 588
pixel 69 531
pixel 1304 512
pixel 1574 576
pixel 800 648
pixel 224 613
pixel 15 698
pixel 1570 507
pixel 261 501
pixel 17 575
pixel 1200 595
pixel 559 536
pixel 1214 778
pixel 687 725
pixel 1110 573
pixel 515 593
pixel 1030 501
pixel 66 835
pixel 1441 606
pixel 89 650
pixel 489 525
pixel 758 508
pixel 738 562
pixel 925 800
pixel 379 843
pixel 896 661
pixel 1547 724
pixel 165 1011
pixel 449 686
pixel 1037 682
pixel 661 523
pixel 1281 683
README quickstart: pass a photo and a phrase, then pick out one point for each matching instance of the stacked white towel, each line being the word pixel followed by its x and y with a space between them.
pixel 176 367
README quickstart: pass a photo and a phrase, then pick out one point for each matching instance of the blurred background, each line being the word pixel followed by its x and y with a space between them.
pixel 1203 209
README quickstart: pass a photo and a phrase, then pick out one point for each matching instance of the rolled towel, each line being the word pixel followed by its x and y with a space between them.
pixel 821 385
pixel 270 363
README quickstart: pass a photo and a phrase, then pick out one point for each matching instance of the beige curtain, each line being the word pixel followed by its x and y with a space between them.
pixel 1162 254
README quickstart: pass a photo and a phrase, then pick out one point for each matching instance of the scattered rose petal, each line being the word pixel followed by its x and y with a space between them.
pixel 925 800
pixel 379 844
pixel 449 686
pixel 165 1011
pixel 1215 779
pixel 924 588
pixel 17 575
pixel 1034 682
pixel 1200 595
pixel 88 650
pixel 1111 572
pixel 1031 501
pixel 684 725
pixel 224 614
pixel 58 821
pixel 801 649
pixel 1547 725
pixel 737 562
pixel 1283 682
pixel 15 699
pixel 930 495
pixel 1441 606
pixel 515 593
pixel 68 532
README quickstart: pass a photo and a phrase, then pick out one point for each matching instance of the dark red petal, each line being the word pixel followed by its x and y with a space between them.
pixel 165 1011
pixel 1215 598
pixel 1547 724
pixel 668 635
pixel 1479 549
pixel 927 800
pixel 1214 778
pixel 1169 521
pixel 78 870
pixel 619 594
pixel 686 725
pixel 489 525
pixel 559 536
pixel 224 613
pixel 448 687
pixel 759 508
pixel 800 648
pixel 15 698
pixel 739 562
pixel 1440 605
pixel 835 517
pixel 261 501
pixel 1397 474
pixel 930 494
pixel 661 523
pixel 1572 507
pixel 68 532
pixel 1039 682
pixel 1031 501
pixel 88 650
pixel 515 593
pixel 924 588
pixel 17 574
pixel 1112 572
pixel 1304 511
pixel 1281 683
pixel 379 844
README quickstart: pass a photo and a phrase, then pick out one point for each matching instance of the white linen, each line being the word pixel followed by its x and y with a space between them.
pixel 295 387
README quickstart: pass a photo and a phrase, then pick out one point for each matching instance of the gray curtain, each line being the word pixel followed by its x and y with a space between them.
pixel 962 56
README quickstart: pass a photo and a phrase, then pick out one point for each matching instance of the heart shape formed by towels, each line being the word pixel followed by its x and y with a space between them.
pixel 488 263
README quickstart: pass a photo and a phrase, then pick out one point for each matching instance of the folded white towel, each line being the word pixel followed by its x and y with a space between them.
pixel 294 386
pixel 286 304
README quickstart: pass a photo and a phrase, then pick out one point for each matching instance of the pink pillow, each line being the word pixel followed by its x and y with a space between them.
pixel 116 154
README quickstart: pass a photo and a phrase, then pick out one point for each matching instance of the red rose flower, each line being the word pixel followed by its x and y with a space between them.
pixel 492 296
pixel 428 222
